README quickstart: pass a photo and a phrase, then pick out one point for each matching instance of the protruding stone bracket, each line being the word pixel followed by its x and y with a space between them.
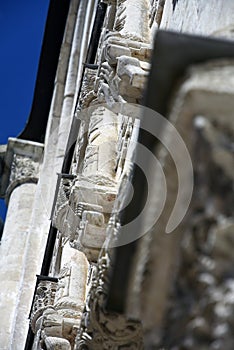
pixel 21 164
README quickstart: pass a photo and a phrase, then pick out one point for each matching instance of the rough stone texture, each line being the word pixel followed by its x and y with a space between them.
pixel 210 18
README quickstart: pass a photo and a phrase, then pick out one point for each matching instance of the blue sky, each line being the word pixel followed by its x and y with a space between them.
pixel 21 31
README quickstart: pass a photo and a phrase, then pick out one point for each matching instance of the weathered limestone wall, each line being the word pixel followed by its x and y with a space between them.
pixel 210 18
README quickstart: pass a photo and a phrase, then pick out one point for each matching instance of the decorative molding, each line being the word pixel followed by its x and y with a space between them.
pixel 100 329
pixel 85 203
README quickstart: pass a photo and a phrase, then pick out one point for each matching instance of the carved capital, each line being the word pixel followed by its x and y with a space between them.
pixel 23 169
pixel 21 164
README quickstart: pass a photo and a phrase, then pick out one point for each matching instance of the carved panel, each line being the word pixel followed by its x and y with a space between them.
pixel 94 189
pixel 57 310
pixel 44 298
pixel 132 20
pixel 123 69
pixel 60 220
pixel 87 90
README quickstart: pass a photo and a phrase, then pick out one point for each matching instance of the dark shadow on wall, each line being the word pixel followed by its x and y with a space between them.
pixel 2 215
pixel 174 2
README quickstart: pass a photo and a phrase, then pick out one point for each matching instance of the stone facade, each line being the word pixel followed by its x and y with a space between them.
pixel 179 291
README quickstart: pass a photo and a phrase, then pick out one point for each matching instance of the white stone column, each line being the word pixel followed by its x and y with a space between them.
pixel 12 262
pixel 19 182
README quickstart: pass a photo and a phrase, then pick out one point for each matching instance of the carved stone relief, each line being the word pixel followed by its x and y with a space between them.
pixel 23 168
pixel 125 82
pixel 87 90
pixel 96 182
pixel 58 307
pixel 100 329
pixel 21 164
pixel 118 73
pixel 60 220
pixel 44 298
pixel 132 19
